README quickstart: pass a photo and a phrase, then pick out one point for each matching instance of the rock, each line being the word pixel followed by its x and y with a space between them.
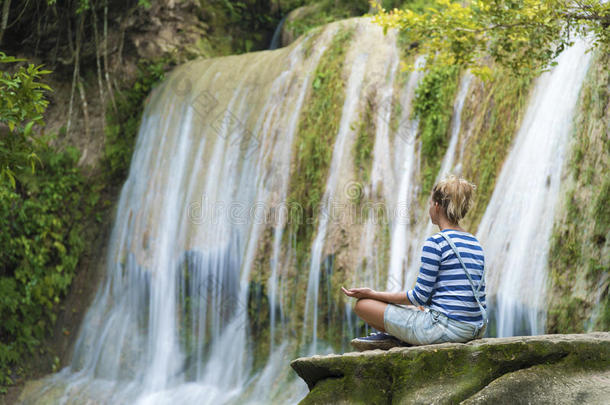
pixel 549 384
pixel 287 35
pixel 524 369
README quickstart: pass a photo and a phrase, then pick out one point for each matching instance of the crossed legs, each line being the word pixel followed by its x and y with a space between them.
pixel 371 311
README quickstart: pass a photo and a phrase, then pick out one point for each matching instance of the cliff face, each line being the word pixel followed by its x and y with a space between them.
pixel 536 369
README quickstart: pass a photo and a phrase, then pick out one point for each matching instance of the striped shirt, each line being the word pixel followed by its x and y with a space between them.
pixel 442 284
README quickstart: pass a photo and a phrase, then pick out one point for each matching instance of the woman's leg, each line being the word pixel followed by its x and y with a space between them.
pixel 371 311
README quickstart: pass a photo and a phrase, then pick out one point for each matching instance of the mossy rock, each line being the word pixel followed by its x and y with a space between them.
pixel 480 371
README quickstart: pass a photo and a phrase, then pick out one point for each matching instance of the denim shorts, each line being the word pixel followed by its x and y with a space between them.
pixel 412 325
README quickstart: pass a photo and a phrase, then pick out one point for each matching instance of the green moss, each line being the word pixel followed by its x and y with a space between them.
pixel 314 34
pixel 363 147
pixel 258 318
pixel 318 127
pixel 384 241
pixel 580 245
pixel 433 106
pixel 601 207
pixel 323 12
pixel 331 310
pixel 493 115
pixel 440 373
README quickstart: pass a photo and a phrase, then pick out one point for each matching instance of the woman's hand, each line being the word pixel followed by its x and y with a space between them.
pixel 358 292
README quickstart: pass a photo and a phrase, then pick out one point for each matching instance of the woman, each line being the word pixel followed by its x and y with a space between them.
pixel 447 303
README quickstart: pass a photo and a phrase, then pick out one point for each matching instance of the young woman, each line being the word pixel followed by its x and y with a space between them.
pixel 447 303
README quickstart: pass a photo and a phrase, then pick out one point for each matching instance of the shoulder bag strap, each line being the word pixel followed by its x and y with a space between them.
pixel 475 292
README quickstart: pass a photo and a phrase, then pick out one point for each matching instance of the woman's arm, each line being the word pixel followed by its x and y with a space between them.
pixel 385 296
pixel 424 286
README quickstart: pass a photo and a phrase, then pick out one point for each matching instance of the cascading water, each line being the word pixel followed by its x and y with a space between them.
pixel 282 172
pixel 204 205
pixel 517 224
pixel 404 173
pixel 276 39
pixel 352 91
pixel 171 321
pixel 410 249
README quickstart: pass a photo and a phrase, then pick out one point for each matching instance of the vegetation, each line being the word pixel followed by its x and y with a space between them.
pixel 323 12
pixel 319 12
pixel 363 147
pixel 580 246
pixel 433 106
pixel 318 127
pixel 43 201
pixel 123 123
pixel 21 107
pixel 492 118
pixel 523 35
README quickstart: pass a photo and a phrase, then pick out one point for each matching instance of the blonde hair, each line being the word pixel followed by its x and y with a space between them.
pixel 455 196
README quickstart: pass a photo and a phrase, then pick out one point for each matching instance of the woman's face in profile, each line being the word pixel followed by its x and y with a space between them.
pixel 432 210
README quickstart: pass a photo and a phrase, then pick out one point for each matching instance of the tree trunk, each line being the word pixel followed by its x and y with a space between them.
pixel 5 10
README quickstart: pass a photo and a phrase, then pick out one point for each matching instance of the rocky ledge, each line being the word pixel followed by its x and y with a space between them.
pixel 543 369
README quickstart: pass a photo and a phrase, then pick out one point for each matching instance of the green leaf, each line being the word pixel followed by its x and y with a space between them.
pixel 28 128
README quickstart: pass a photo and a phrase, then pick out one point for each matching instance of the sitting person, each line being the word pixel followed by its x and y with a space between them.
pixel 447 303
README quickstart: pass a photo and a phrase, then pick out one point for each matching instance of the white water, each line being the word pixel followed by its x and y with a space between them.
pixel 282 171
pixel 369 273
pixel 404 172
pixel 353 87
pixel 517 224
pixel 424 227
pixel 171 322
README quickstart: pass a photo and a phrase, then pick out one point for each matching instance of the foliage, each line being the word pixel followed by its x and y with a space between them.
pixel 246 22
pixel 324 12
pixel 318 127
pixel 41 214
pixel 123 124
pixel 363 147
pixel 579 255
pixel 433 107
pixel 22 101
pixel 41 243
pixel 493 116
pixel 524 35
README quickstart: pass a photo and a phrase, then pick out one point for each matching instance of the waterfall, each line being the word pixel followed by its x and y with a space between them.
pixel 199 300
pixel 352 91
pixel 424 228
pixel 404 172
pixel 204 196
pixel 276 39
pixel 282 171
pixel 517 224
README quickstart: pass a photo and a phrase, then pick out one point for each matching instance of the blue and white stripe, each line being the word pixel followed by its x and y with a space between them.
pixel 442 284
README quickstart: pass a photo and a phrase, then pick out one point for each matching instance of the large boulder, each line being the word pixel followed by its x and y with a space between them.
pixel 531 369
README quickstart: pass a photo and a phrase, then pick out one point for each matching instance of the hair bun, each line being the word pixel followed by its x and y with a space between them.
pixel 455 195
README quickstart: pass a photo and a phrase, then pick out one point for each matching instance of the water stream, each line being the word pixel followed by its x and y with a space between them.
pixel 199 251
pixel 517 223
